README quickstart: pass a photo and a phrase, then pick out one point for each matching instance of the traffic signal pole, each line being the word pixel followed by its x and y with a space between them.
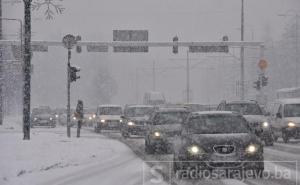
pixel 242 55
pixel 68 89
pixel 26 69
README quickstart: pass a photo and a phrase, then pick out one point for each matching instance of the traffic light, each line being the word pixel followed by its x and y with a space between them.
pixel 175 48
pixel 264 81
pixel 73 73
pixel 257 85
pixel 78 48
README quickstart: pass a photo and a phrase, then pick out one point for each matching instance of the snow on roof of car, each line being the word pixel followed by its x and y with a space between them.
pixel 241 102
pixel 171 109
pixel 213 112
pixel 289 100
pixel 150 106
pixel 109 105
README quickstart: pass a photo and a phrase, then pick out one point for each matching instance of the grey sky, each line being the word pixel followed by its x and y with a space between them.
pixel 191 20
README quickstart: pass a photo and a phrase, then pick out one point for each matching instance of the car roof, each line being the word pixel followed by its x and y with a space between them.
pixel 289 101
pixel 100 106
pixel 242 102
pixel 213 112
pixel 173 109
pixel 139 106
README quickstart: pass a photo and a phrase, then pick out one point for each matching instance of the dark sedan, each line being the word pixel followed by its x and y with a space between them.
pixel 217 141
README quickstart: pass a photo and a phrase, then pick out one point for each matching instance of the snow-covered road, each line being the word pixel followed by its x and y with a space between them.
pixel 50 158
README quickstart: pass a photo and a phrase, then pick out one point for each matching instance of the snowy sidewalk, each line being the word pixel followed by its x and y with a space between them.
pixel 50 154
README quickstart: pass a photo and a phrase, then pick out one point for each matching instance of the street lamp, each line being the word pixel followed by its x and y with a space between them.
pixel 297 46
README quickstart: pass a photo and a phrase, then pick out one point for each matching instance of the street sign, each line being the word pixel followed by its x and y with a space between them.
pixel 262 64
pixel 69 41
pixel 39 48
pixel 97 48
pixel 130 35
pixel 208 49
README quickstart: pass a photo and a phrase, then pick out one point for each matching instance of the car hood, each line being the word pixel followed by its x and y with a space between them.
pixel 207 140
pixel 43 116
pixel 255 118
pixel 110 117
pixel 167 127
pixel 144 118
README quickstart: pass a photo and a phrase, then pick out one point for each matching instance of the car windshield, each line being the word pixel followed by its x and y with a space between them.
pixel 138 111
pixel 41 111
pixel 217 124
pixel 163 118
pixel 110 111
pixel 244 109
pixel 292 110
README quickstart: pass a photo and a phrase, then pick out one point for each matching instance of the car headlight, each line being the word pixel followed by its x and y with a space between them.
pixel 265 124
pixel 74 118
pixel 35 119
pixel 51 119
pixel 195 150
pixel 94 115
pixel 130 123
pixel 56 115
pixel 102 120
pixel 90 118
pixel 157 134
pixel 251 149
pixel 291 124
pixel 121 121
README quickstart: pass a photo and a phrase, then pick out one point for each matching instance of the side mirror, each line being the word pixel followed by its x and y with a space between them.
pixel 267 114
pixel 278 115
pixel 123 117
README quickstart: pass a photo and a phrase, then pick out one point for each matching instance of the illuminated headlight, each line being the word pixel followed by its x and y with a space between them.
pixel 157 134
pixel 90 118
pixel 94 115
pixel 130 123
pixel 51 119
pixel 35 119
pixel 102 120
pixel 251 149
pixel 74 118
pixel 265 124
pixel 56 115
pixel 121 121
pixel 291 124
pixel 195 150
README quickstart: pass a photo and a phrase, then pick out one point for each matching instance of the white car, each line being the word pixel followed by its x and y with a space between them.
pixel 285 117
pixel 109 117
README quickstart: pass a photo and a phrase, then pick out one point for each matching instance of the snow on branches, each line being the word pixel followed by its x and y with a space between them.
pixel 51 6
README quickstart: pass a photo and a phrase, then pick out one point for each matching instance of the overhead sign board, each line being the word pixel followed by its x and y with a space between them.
pixel 91 48
pixel 39 48
pixel 208 49
pixel 130 35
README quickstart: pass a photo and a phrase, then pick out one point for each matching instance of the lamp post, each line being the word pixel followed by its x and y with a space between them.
pixel 26 69
pixel 242 54
pixel 297 43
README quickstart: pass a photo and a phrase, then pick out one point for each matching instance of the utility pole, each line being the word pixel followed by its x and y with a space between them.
pixel 242 54
pixel 1 69
pixel 153 76
pixel 187 77
pixel 297 50
pixel 26 68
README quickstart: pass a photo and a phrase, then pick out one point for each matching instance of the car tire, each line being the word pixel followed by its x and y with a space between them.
pixel 269 142
pixel 125 135
pixel 285 137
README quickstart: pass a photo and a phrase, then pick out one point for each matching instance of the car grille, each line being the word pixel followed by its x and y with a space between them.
pixel 255 124
pixel 224 149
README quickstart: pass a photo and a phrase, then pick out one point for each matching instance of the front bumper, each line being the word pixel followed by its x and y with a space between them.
pixel 238 163
pixel 135 130
pixel 109 125
pixel 292 132
pixel 43 123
